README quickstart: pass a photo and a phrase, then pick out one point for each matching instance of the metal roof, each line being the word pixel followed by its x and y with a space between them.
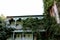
pixel 25 16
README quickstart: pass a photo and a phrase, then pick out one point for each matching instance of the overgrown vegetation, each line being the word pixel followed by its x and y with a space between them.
pixel 4 31
pixel 34 24
pixel 49 22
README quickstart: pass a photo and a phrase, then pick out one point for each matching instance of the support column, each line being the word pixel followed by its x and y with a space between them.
pixel 23 36
pixel 13 35
pixel 32 35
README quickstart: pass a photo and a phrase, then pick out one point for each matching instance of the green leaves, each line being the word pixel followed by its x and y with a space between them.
pixel 50 22
pixel 47 4
pixel 4 31
pixel 33 23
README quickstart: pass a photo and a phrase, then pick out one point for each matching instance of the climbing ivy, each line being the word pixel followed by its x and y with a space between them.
pixel 47 4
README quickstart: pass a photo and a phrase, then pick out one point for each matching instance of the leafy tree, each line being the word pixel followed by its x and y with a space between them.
pixel 50 24
pixel 4 31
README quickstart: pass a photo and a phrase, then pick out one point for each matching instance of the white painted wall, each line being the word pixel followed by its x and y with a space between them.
pixel 27 37
pixel 18 38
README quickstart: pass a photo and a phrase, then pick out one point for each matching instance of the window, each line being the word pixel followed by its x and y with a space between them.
pixel 28 35
pixel 18 35
pixel 24 35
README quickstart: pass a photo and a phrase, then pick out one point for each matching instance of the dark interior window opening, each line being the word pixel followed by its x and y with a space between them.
pixel 11 20
pixel 19 20
pixel 24 35
pixel 0 22
pixel 28 35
